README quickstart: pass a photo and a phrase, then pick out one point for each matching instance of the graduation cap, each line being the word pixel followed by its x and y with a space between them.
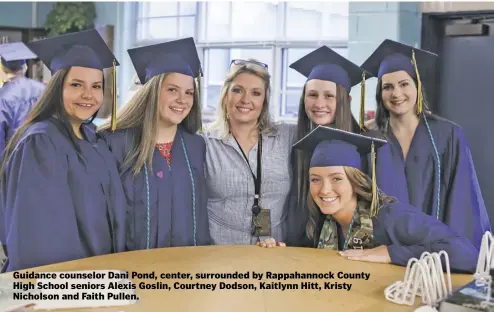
pixel 83 49
pixel 14 55
pixel 392 56
pixel 178 56
pixel 334 147
pixel 325 64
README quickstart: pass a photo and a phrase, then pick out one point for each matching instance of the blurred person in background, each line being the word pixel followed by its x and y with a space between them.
pixel 18 94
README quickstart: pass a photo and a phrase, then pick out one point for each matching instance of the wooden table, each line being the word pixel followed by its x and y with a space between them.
pixel 365 295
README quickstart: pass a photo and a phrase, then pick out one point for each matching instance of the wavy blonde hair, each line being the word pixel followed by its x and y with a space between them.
pixel 265 123
pixel 142 114
pixel 361 185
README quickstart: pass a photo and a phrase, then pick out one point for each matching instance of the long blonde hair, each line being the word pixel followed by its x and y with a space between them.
pixel 265 123
pixel 142 114
pixel 361 185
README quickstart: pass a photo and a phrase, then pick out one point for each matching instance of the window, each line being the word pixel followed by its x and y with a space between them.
pixel 166 20
pixel 273 32
pixel 320 20
pixel 226 21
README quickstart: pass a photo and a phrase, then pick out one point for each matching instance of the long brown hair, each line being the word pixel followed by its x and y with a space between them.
pixel 361 185
pixel 382 114
pixel 142 114
pixel 343 120
pixel 265 123
pixel 49 104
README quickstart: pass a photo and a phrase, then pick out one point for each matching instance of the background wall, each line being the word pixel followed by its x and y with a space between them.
pixel 272 33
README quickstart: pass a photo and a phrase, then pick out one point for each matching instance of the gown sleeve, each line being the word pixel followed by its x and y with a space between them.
pixel 464 207
pixel 39 207
pixel 204 237
pixel 410 232
pixel 5 122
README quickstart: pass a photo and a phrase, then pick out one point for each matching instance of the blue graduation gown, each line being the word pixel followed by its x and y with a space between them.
pixel 408 232
pixel 17 97
pixel 461 203
pixel 169 221
pixel 58 205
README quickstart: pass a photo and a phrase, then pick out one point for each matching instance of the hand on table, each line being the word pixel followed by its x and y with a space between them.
pixel 270 242
pixel 379 254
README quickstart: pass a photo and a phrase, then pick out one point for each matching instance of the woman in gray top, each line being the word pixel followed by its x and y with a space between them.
pixel 243 135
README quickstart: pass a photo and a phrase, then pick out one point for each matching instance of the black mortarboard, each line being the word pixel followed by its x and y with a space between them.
pixel 178 56
pixel 326 64
pixel 84 49
pixel 334 147
pixel 14 55
pixel 392 56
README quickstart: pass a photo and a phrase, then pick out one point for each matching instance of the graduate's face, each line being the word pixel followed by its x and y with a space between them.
pixel 176 98
pixel 82 93
pixel 245 98
pixel 331 190
pixel 399 93
pixel 320 101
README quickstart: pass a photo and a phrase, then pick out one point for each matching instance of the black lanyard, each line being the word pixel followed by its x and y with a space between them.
pixel 257 180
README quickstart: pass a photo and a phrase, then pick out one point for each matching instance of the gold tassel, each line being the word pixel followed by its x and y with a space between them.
pixel 199 96
pixel 374 202
pixel 114 104
pixel 362 102
pixel 199 86
pixel 420 99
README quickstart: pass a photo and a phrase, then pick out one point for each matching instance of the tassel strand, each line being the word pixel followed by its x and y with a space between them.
pixel 374 202
pixel 114 104
pixel 420 99
pixel 362 102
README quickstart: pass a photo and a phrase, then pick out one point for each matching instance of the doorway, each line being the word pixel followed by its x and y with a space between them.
pixel 462 86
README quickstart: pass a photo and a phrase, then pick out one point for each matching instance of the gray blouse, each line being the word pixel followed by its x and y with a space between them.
pixel 231 185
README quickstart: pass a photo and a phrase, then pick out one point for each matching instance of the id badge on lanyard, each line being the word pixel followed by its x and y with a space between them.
pixel 261 218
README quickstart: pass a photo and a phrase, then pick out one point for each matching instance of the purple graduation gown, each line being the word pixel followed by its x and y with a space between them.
pixel 461 204
pixel 57 204
pixel 408 232
pixel 168 221
pixel 17 97
pixel 387 177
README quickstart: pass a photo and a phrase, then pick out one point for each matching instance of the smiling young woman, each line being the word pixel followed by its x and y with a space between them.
pixel 347 213
pixel 325 101
pixel 159 154
pixel 438 175
pixel 61 196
